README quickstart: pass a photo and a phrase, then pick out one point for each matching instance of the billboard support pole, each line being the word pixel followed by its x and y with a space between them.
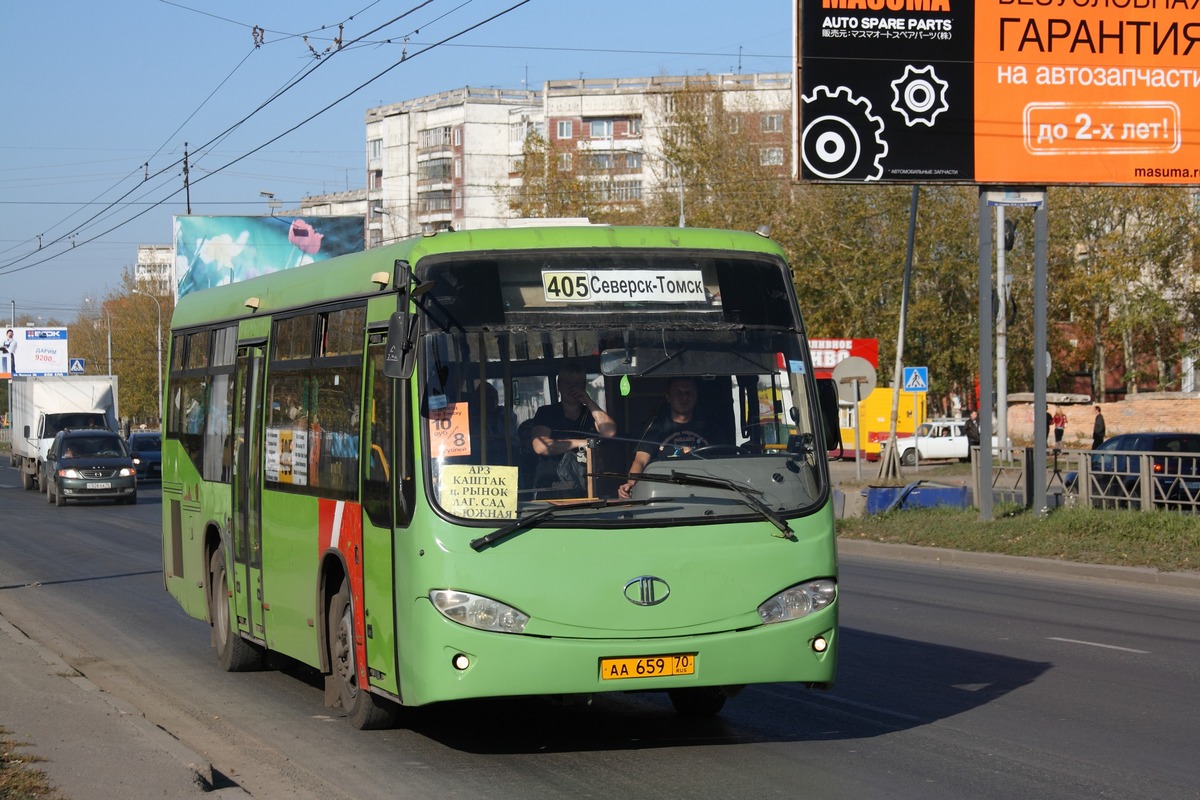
pixel 984 480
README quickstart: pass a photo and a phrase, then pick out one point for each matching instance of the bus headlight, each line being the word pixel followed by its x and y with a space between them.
pixel 477 611
pixel 798 601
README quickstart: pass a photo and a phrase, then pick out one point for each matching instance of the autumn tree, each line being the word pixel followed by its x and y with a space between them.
pixel 133 318
pixel 1122 267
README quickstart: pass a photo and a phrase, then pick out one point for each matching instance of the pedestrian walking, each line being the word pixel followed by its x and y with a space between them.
pixel 1098 430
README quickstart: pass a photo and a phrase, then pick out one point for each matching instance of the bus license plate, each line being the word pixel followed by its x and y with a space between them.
pixel 647 666
pixel 105 485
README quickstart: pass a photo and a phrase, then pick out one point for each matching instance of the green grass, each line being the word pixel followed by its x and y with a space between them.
pixel 18 779
pixel 1166 541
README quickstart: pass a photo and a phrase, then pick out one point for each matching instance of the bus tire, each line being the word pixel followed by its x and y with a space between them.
pixel 365 710
pixel 703 701
pixel 233 652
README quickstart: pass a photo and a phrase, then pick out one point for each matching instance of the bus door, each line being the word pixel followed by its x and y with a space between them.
pixel 247 494
pixel 380 469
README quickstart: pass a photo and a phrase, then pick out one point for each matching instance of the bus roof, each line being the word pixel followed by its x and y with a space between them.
pixel 351 275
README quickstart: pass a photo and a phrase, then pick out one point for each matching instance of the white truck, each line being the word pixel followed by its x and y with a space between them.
pixel 41 406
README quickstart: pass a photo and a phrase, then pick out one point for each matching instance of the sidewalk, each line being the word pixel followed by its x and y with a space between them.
pixel 95 746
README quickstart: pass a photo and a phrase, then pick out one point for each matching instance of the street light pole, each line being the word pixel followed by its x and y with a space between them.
pixel 158 341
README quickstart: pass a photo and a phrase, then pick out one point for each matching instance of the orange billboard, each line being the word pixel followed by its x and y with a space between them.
pixel 999 91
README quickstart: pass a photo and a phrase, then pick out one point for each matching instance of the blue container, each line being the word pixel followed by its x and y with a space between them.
pixel 914 495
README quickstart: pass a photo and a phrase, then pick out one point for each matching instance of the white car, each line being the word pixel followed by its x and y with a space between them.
pixel 935 439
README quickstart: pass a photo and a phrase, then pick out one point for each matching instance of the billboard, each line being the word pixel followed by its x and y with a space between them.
pixel 33 351
pixel 214 251
pixel 998 91
pixel 828 353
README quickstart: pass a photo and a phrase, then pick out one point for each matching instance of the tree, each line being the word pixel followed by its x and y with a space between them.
pixel 1122 263
pixel 135 357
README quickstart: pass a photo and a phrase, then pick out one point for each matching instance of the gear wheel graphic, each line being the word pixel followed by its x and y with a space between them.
pixel 921 93
pixel 841 139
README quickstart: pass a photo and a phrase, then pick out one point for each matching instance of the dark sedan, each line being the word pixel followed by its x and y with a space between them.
pixel 90 463
pixel 1173 462
pixel 146 449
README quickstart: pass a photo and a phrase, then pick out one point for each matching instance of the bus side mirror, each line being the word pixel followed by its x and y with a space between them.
pixel 827 397
pixel 398 353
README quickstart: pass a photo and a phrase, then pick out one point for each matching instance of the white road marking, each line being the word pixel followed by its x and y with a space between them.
pixel 1095 644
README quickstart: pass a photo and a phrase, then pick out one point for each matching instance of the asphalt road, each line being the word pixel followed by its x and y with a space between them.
pixel 953 683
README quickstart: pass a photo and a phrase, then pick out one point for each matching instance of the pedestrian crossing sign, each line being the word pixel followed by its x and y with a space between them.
pixel 76 366
pixel 915 379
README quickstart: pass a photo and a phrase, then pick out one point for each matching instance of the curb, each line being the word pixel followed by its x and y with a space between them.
pixel 1137 576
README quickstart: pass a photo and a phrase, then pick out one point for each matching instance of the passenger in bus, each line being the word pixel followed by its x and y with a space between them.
pixel 674 434
pixel 560 435
pixel 491 424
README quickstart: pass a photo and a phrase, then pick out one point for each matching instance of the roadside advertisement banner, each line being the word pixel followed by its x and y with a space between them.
pixel 999 91
pixel 214 251
pixel 828 353
pixel 33 351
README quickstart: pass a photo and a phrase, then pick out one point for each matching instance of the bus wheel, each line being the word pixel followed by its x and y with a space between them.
pixel 234 652
pixel 706 701
pixel 365 710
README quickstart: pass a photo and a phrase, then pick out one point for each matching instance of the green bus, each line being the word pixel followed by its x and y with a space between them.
pixel 350 477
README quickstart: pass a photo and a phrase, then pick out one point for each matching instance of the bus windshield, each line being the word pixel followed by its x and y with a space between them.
pixel 675 386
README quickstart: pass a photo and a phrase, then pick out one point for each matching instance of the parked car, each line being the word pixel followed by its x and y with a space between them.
pixel 935 439
pixel 1116 467
pixel 145 447
pixel 88 463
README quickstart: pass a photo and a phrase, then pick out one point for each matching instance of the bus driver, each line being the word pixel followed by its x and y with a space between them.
pixel 677 433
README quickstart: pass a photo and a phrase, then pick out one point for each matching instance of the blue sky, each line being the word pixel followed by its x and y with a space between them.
pixel 100 96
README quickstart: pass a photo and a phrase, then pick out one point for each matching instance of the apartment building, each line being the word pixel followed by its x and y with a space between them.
pixel 448 160
pixel 155 268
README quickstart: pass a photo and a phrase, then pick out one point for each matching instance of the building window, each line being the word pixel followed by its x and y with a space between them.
pixel 458 167
pixel 434 137
pixel 375 150
pixel 633 161
pixel 635 126
pixel 771 157
pixel 601 128
pixel 622 191
pixel 458 136
pixel 735 124
pixel 516 164
pixel 564 162
pixel 376 238
pixel 563 128
pixel 435 170
pixel 432 202
pixel 458 200
pixel 601 161
pixel 377 179
pixel 772 123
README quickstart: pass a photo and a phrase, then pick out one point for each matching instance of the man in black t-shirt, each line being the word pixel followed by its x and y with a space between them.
pixel 677 434
pixel 561 429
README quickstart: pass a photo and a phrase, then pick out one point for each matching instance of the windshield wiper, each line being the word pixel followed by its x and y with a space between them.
pixel 549 511
pixel 748 495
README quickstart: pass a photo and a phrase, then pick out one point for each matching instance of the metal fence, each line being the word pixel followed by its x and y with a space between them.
pixel 1139 481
